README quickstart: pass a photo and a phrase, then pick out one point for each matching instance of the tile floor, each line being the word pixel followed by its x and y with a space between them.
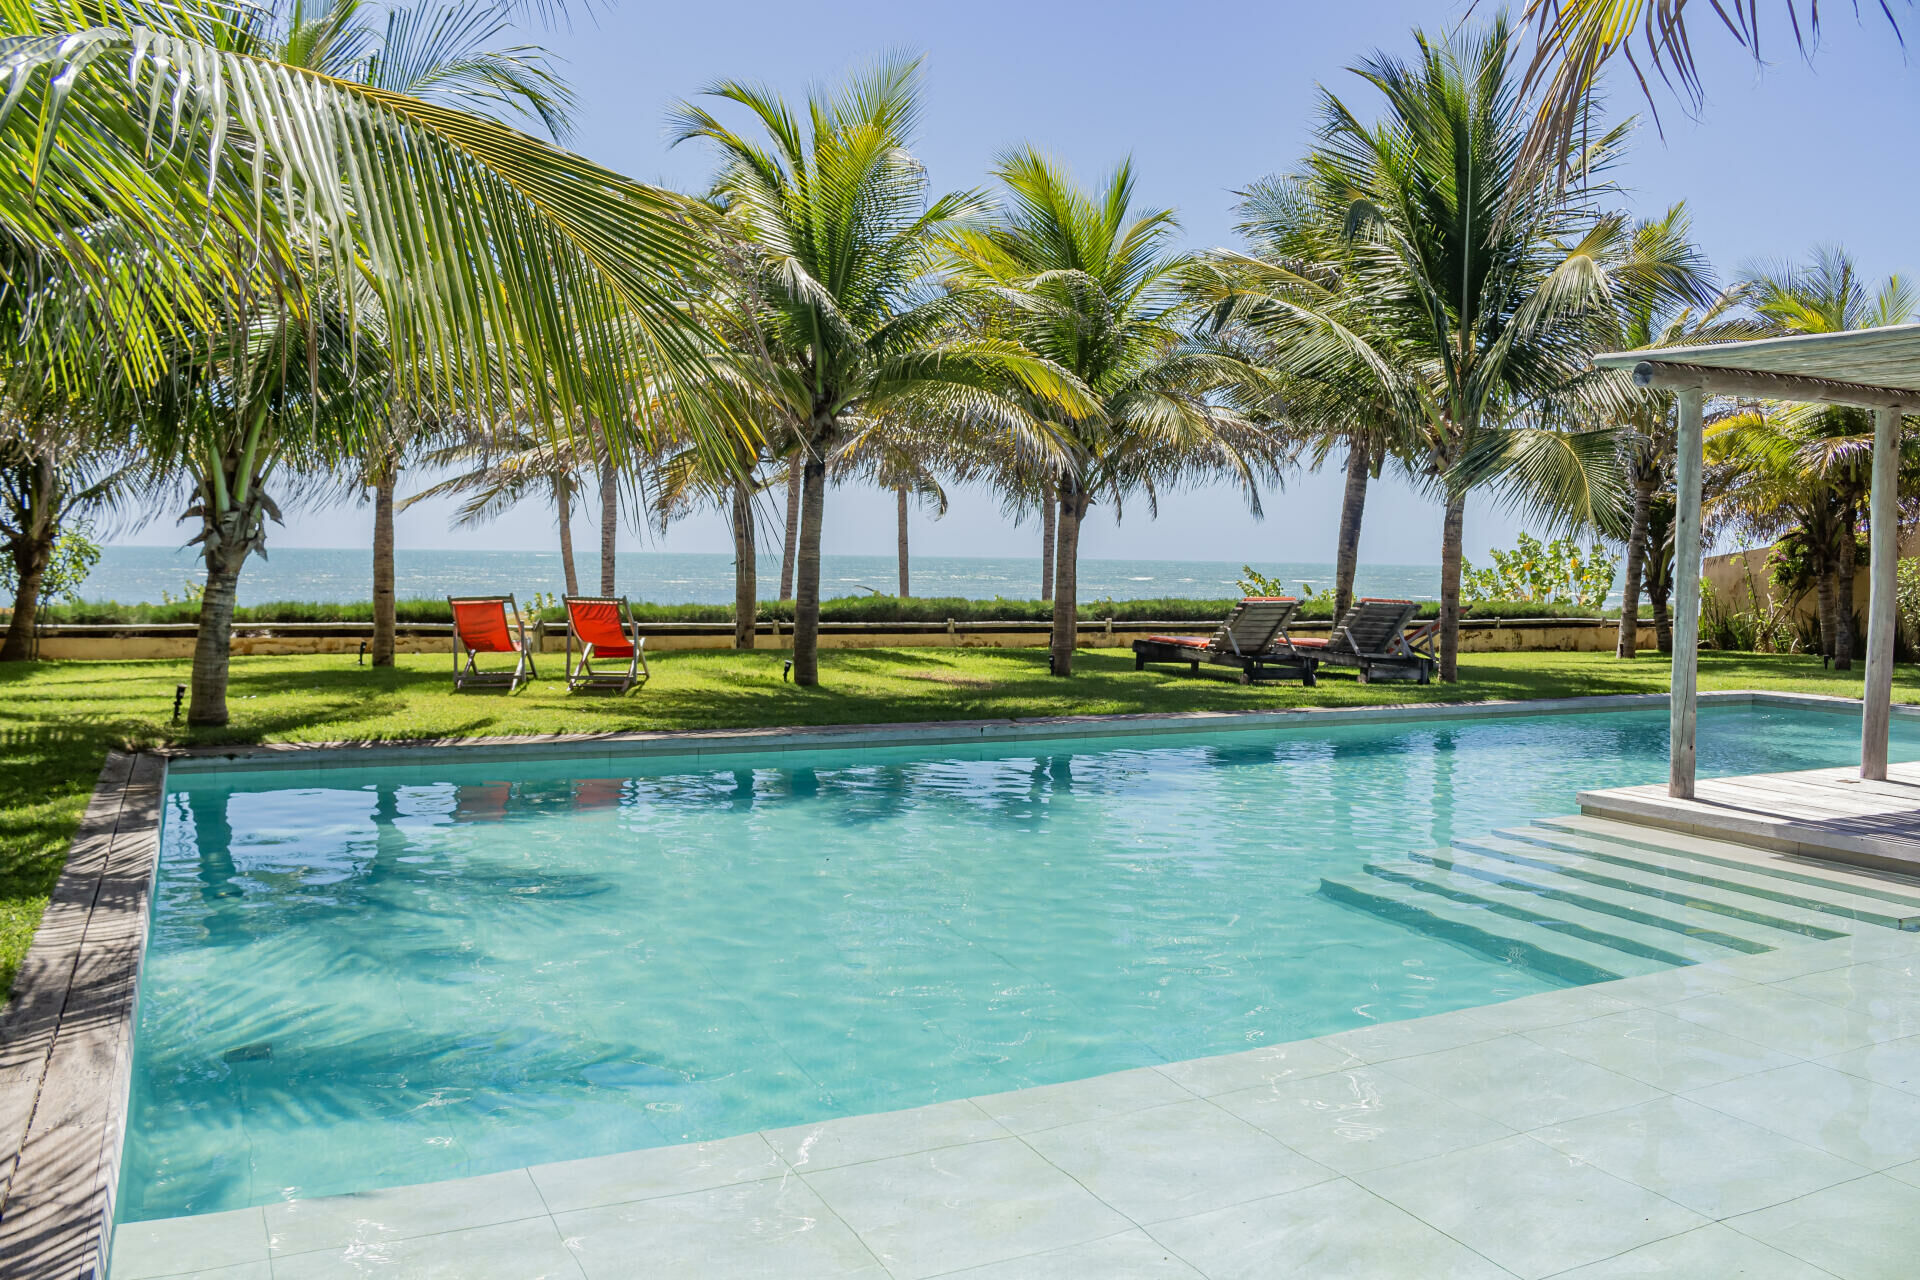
pixel 1757 1118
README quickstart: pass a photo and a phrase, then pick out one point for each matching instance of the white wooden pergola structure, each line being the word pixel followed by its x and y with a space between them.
pixel 1877 369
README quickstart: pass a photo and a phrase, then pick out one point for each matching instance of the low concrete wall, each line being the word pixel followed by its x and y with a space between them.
pixel 175 641
pixel 1730 575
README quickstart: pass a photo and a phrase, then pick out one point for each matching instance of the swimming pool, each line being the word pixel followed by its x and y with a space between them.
pixel 370 978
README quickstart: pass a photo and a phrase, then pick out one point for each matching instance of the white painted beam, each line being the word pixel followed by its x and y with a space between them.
pixel 1686 595
pixel 1877 698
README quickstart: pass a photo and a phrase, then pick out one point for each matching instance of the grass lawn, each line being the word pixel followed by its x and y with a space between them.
pixel 58 719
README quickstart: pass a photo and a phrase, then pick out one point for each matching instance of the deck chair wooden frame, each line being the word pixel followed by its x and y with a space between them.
pixel 1252 639
pixel 605 628
pixel 489 624
pixel 1373 639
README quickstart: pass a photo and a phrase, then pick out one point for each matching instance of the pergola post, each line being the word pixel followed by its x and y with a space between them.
pixel 1686 594
pixel 1877 698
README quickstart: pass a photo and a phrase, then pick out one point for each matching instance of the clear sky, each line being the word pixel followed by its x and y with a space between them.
pixel 1206 97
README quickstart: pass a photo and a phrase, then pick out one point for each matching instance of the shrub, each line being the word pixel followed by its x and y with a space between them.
pixel 1556 572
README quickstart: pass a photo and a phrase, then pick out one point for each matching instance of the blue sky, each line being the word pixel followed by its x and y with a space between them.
pixel 1206 97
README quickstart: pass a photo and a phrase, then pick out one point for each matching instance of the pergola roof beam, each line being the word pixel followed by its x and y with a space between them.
pixel 1667 375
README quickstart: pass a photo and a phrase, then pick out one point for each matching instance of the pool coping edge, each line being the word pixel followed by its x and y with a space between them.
pixel 705 742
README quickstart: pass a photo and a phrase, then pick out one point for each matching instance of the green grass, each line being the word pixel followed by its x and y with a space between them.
pixel 59 719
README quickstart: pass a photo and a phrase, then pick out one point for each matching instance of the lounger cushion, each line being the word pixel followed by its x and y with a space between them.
pixel 1309 642
pixel 1190 642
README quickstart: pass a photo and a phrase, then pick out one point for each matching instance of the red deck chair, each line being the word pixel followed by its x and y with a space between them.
pixel 605 627
pixel 489 624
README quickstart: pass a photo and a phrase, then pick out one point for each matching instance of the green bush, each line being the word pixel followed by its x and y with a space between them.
pixel 111 612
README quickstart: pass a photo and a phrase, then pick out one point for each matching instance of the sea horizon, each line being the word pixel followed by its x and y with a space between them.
pixel 338 575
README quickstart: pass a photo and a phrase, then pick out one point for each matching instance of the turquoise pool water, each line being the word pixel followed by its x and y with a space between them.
pixel 360 979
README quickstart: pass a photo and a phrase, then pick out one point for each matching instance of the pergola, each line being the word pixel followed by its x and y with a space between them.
pixel 1876 369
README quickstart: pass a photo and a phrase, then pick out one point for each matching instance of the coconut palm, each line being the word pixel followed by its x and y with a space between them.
pixel 48 482
pixel 261 180
pixel 900 457
pixel 496 469
pixel 1478 289
pixel 64 455
pixel 683 482
pixel 248 408
pixel 836 238
pixel 449 53
pixel 1808 469
pixel 1089 281
pixel 1576 39
pixel 1297 258
pixel 1802 474
pixel 1677 307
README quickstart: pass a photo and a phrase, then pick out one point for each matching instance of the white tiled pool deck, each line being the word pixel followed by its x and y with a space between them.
pixel 1757 1117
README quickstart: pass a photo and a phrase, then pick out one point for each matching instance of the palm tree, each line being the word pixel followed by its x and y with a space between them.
pixel 48 482
pixel 249 406
pixel 1089 282
pixel 836 240
pixel 898 456
pixel 1810 466
pixel 1478 289
pixel 1576 39
pixel 1678 307
pixel 497 469
pixel 443 53
pixel 1297 258
pixel 64 452
pixel 1807 469
pixel 266 179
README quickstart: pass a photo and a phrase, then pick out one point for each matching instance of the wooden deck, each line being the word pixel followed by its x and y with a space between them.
pixel 1819 813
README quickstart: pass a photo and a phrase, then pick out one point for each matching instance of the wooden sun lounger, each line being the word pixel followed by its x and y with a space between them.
pixel 1253 639
pixel 489 624
pixel 1373 638
pixel 605 628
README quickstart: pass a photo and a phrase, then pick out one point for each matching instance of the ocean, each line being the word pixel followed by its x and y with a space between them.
pixel 136 575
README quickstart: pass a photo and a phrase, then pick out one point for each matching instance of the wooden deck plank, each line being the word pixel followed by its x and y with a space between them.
pixel 1820 813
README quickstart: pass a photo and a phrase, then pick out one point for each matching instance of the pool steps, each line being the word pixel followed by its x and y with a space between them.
pixel 1564 956
pixel 1894 906
pixel 1586 899
pixel 1749 925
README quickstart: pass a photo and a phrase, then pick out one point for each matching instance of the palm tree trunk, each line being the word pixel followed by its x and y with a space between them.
pixel 1452 535
pixel 383 615
pixel 1845 558
pixel 1657 598
pixel 1066 580
pixel 794 471
pixel 1627 644
pixel 30 559
pixel 806 584
pixel 563 504
pixel 609 523
pixel 900 495
pixel 746 580
pixel 227 540
pixel 213 647
pixel 1353 505
pixel 1049 518
pixel 1824 594
pixel 32 551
